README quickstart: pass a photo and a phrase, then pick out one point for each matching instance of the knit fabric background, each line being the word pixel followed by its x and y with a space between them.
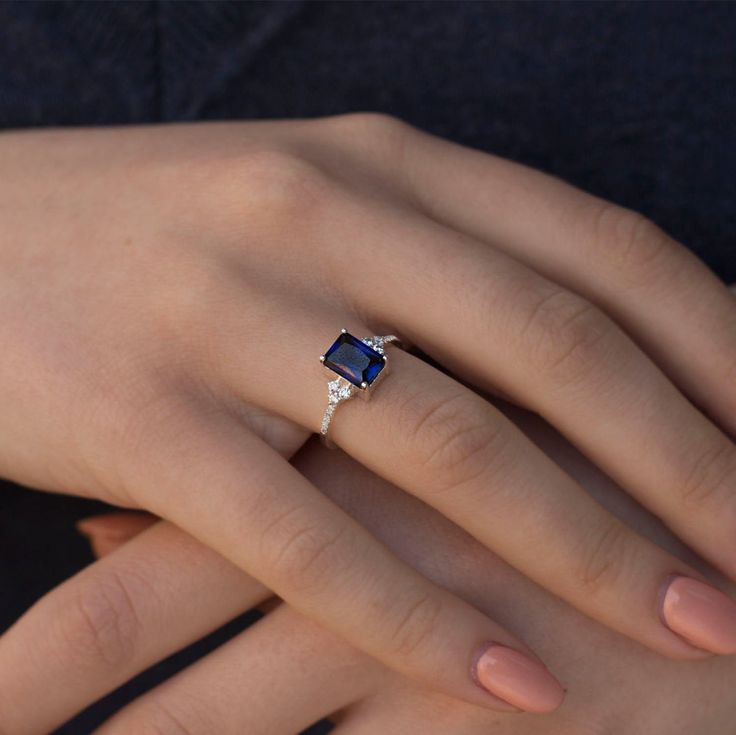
pixel 634 101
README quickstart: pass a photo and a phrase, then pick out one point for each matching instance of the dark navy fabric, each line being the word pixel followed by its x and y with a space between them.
pixel 633 101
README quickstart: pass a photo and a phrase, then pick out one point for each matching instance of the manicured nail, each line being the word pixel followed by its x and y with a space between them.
pixel 518 679
pixel 102 546
pixel 700 614
pixel 111 524
pixel 108 532
pixel 119 525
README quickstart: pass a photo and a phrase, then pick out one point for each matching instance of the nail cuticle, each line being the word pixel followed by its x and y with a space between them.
pixel 699 614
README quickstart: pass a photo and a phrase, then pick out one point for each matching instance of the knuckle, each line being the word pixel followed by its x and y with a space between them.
pixel 283 186
pixel 381 139
pixel 273 187
pixel 569 339
pixel 375 124
pixel 635 246
pixel 309 557
pixel 710 477
pixel 416 625
pixel 154 717
pixel 603 559
pixel 101 624
pixel 457 439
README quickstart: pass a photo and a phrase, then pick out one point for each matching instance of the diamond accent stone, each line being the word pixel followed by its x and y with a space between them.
pixel 339 390
pixel 375 343
pixel 327 418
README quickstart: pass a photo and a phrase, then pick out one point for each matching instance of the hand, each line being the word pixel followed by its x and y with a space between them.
pixel 163 294
pixel 286 672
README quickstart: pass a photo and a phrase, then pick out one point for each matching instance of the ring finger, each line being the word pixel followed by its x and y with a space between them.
pixel 497 323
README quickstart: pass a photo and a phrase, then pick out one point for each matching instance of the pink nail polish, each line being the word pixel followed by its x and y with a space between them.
pixel 701 614
pixel 517 679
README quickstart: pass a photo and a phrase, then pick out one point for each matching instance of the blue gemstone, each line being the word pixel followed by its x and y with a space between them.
pixel 354 360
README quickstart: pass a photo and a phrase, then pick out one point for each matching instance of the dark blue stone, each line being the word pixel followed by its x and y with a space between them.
pixel 353 360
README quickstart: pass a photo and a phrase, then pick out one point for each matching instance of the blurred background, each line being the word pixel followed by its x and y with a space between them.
pixel 633 101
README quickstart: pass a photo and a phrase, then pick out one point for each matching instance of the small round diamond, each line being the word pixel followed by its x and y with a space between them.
pixel 339 390
pixel 375 343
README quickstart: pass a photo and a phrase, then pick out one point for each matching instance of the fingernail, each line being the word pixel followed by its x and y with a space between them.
pixel 517 679
pixel 102 546
pixel 119 525
pixel 108 532
pixel 111 524
pixel 701 614
pixel 100 540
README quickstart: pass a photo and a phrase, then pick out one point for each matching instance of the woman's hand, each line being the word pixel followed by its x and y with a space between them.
pixel 165 294
pixel 286 672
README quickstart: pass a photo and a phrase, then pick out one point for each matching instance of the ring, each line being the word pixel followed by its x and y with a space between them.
pixel 359 365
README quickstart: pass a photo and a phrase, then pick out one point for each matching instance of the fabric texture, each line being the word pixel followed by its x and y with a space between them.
pixel 635 102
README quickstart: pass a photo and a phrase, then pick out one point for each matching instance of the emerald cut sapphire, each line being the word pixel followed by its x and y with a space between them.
pixel 352 359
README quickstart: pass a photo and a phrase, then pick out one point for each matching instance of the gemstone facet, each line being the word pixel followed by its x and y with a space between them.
pixel 354 360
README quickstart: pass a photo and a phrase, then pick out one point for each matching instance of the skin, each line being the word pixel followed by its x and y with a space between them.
pixel 286 672
pixel 164 290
